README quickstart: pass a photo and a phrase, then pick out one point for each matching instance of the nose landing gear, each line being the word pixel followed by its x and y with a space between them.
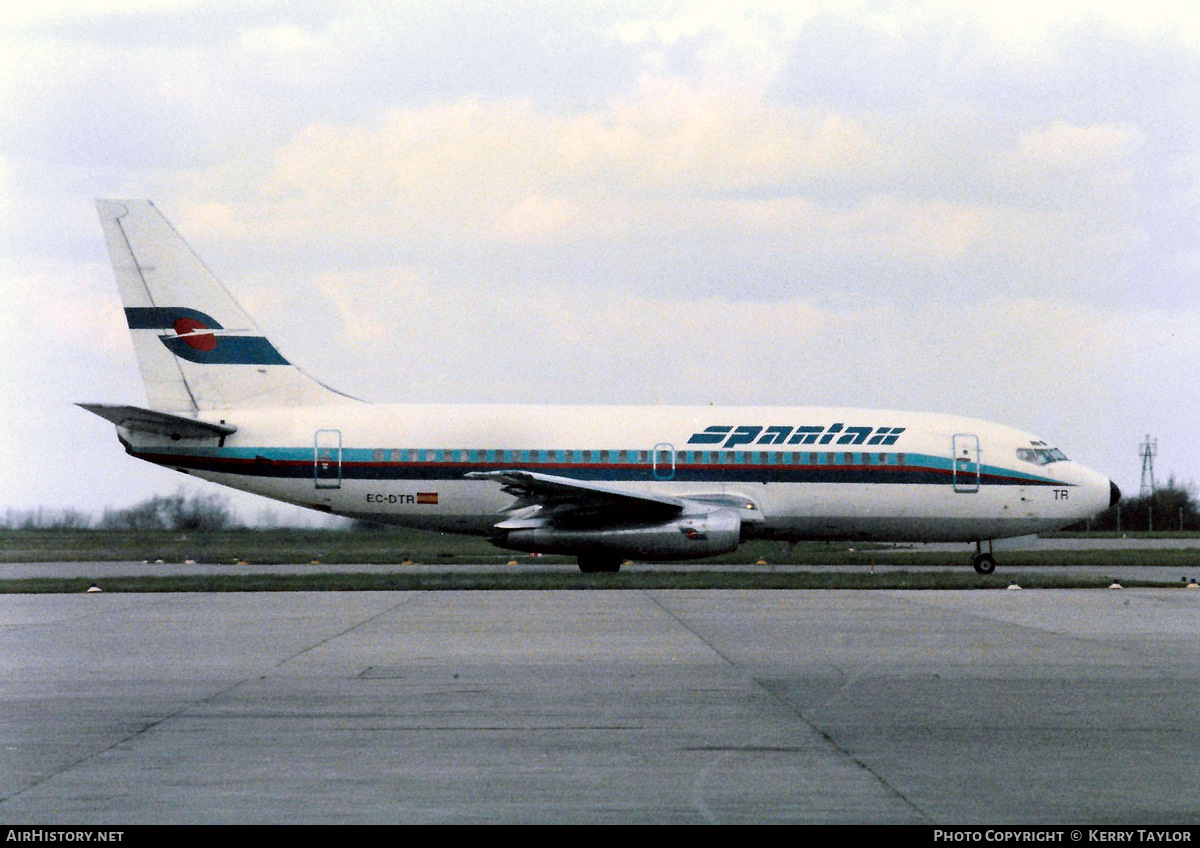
pixel 984 563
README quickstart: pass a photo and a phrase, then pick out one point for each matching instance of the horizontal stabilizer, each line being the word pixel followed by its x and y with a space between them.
pixel 159 423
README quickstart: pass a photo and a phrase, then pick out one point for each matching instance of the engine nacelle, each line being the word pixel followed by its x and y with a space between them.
pixel 701 535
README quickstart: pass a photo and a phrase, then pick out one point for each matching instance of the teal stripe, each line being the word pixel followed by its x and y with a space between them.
pixel 572 461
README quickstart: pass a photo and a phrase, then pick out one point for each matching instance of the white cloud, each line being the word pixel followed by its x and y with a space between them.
pixel 284 40
pixel 959 206
pixel 505 171
pixel 1068 146
pixel 536 218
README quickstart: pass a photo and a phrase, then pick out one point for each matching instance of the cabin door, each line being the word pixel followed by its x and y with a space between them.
pixel 327 459
pixel 664 461
pixel 965 462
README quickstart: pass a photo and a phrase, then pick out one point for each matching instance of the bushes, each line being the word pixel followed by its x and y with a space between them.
pixel 159 512
pixel 1171 507
pixel 172 512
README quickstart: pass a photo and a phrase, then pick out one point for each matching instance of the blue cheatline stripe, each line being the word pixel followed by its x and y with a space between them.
pixel 738 467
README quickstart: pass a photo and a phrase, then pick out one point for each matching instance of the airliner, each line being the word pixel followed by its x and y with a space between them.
pixel 604 484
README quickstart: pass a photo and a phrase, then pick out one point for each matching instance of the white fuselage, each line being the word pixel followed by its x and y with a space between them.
pixel 804 473
pixel 600 482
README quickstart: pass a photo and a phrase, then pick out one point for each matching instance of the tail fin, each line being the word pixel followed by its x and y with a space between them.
pixel 196 347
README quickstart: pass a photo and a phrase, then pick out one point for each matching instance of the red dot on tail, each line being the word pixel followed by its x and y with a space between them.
pixel 188 327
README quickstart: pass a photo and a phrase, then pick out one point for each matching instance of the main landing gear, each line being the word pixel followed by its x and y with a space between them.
pixel 599 563
pixel 983 563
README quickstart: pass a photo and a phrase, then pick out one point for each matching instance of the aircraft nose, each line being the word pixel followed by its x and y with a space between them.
pixel 1114 494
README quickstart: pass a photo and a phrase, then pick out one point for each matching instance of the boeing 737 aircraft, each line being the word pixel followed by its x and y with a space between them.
pixel 602 483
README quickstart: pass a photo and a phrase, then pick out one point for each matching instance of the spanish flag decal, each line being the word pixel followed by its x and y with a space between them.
pixel 427 497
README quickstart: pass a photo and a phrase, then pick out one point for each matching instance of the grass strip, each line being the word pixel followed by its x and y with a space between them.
pixel 446 581
pixel 290 546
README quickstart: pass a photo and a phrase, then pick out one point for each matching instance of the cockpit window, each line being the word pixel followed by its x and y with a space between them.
pixel 1041 455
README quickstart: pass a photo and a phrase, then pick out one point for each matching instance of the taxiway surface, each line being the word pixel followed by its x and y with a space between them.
pixel 992 707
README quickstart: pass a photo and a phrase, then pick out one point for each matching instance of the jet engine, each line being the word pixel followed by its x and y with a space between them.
pixel 700 535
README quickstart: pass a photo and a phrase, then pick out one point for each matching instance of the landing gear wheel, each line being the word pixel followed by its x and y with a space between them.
pixel 599 563
pixel 984 563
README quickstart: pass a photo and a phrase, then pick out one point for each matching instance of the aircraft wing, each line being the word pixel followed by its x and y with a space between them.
pixel 580 499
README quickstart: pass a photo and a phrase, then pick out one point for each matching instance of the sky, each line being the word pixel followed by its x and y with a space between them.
pixel 979 208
